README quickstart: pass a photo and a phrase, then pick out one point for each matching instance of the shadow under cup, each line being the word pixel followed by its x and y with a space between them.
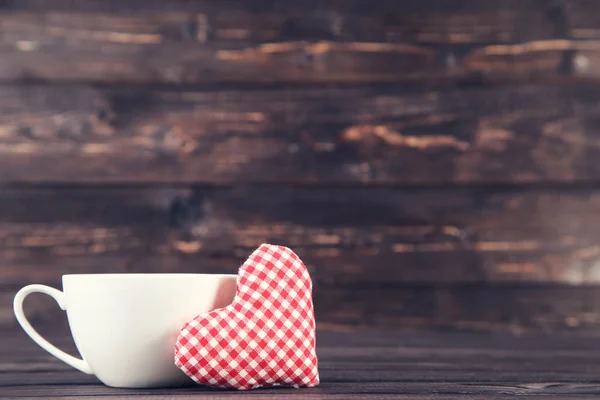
pixel 125 325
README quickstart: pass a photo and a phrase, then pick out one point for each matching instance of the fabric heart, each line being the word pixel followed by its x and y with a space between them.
pixel 266 337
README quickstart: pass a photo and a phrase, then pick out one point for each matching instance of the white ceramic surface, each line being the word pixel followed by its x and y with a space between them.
pixel 125 325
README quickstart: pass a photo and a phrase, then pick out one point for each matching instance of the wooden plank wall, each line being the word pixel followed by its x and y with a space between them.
pixel 435 163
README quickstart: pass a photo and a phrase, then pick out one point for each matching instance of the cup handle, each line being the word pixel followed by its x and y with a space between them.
pixel 59 296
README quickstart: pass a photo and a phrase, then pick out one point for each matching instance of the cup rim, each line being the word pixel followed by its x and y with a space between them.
pixel 149 275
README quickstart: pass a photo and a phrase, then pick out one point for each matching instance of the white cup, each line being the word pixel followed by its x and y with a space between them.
pixel 125 325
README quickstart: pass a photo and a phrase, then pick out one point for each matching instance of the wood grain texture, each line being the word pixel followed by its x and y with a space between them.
pixel 355 390
pixel 462 258
pixel 279 41
pixel 319 396
pixel 402 183
pixel 370 364
pixel 583 28
pixel 484 235
pixel 331 135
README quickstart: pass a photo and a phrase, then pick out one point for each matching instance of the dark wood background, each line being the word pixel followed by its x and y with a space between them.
pixel 436 163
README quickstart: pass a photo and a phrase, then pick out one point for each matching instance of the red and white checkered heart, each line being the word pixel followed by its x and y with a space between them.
pixel 266 337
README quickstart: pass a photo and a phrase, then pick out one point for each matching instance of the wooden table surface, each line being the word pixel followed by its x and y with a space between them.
pixel 365 365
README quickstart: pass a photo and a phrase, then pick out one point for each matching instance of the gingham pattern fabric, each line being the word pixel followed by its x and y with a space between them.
pixel 266 337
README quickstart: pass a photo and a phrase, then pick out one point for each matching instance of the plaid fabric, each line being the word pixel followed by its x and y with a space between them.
pixel 266 337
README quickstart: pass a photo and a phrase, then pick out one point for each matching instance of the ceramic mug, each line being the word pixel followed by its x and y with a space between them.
pixel 125 325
